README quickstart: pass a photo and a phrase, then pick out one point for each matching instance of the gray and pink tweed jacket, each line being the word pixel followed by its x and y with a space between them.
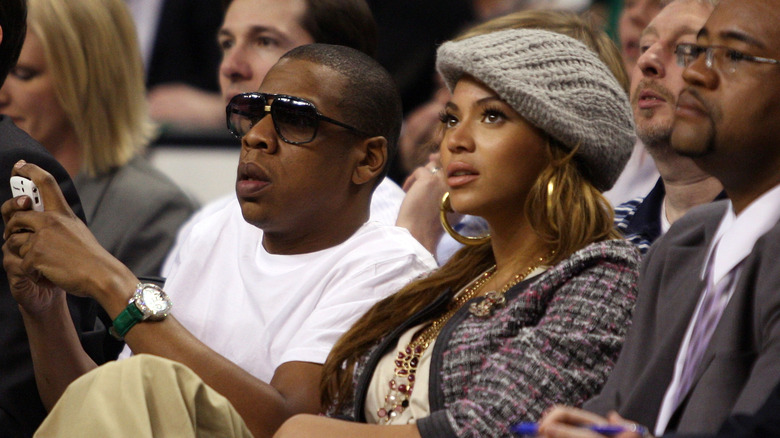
pixel 555 341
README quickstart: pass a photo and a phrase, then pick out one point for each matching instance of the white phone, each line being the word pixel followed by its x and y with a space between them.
pixel 23 186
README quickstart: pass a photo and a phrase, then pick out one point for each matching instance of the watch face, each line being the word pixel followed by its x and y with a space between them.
pixel 154 302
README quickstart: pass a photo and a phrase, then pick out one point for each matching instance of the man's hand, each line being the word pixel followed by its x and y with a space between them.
pixel 53 247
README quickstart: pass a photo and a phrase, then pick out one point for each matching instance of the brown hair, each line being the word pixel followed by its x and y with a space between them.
pixel 571 216
pixel 342 22
pixel 587 217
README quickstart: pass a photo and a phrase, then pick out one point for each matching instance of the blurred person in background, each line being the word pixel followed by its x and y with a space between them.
pixel 640 174
pixel 180 57
pixel 78 89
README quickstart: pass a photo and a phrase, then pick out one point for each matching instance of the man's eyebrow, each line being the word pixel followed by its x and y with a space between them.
pixel 733 35
pixel 256 29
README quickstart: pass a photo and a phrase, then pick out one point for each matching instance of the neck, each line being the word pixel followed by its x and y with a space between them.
pixel 744 177
pixel 681 196
pixel 326 231
pixel 515 248
pixel 685 184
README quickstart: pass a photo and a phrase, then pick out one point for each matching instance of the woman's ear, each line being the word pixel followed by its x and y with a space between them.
pixel 372 161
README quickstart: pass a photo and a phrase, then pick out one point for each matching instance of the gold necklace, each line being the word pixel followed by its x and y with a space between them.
pixel 402 384
pixel 494 298
pixel 397 399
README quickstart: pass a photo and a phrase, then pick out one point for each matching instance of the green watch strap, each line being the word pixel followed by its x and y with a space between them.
pixel 123 322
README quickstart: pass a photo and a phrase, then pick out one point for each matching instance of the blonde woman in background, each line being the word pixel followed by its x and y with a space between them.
pixel 78 89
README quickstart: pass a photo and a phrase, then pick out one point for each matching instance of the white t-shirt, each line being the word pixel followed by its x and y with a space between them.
pixel 385 205
pixel 261 310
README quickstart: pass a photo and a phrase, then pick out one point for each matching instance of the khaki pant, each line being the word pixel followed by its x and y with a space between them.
pixel 144 396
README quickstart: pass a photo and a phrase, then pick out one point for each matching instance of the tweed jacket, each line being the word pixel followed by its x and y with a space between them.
pixel 740 365
pixel 555 341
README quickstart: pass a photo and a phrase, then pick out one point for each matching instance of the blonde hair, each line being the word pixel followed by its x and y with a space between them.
pixel 91 46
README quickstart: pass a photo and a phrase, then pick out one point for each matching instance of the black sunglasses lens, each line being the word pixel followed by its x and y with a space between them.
pixel 296 119
pixel 244 111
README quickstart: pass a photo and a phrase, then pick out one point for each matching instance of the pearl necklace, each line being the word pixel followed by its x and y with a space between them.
pixel 402 384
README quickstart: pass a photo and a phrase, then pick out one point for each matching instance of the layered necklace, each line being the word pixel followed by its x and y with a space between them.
pixel 407 360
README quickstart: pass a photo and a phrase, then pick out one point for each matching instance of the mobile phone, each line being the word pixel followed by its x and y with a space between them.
pixel 24 186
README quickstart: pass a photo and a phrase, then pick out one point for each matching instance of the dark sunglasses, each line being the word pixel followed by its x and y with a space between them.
pixel 295 119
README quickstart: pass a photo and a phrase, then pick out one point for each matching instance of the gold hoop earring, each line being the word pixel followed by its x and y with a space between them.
pixel 445 208
pixel 550 190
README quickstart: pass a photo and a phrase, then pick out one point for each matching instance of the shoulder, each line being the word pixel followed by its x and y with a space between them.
pixel 376 242
pixel 702 214
pixel 607 268
pixel 614 252
pixel 16 145
pixel 386 202
pixel 140 180
pixel 692 230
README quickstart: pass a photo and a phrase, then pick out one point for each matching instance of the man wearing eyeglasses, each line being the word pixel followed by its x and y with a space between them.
pixel 655 84
pixel 705 341
pixel 315 143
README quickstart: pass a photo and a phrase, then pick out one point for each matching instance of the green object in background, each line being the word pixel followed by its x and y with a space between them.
pixel 615 7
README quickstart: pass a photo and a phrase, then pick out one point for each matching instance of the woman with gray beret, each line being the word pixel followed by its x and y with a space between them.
pixel 533 314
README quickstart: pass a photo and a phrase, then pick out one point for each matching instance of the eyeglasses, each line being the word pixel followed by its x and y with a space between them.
pixel 723 58
pixel 295 119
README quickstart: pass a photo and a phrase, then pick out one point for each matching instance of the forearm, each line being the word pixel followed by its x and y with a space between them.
pixel 57 355
pixel 310 425
pixel 263 406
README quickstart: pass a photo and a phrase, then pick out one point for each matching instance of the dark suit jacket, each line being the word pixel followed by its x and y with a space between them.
pixel 763 424
pixel 21 410
pixel 742 362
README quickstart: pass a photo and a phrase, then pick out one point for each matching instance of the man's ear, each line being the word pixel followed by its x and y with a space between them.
pixel 1 34
pixel 372 161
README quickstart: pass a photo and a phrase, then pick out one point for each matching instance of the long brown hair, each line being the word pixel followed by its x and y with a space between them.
pixel 581 215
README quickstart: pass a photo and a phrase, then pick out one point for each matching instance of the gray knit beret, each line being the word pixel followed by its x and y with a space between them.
pixel 556 83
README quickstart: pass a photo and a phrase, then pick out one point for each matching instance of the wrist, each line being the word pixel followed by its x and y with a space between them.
pixel 113 291
pixel 148 303
pixel 44 310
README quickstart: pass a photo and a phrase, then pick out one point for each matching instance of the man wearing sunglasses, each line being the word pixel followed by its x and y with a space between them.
pixel 253 36
pixel 315 143
pixel 704 345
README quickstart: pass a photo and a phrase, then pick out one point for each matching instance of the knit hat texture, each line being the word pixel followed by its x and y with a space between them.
pixel 556 83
